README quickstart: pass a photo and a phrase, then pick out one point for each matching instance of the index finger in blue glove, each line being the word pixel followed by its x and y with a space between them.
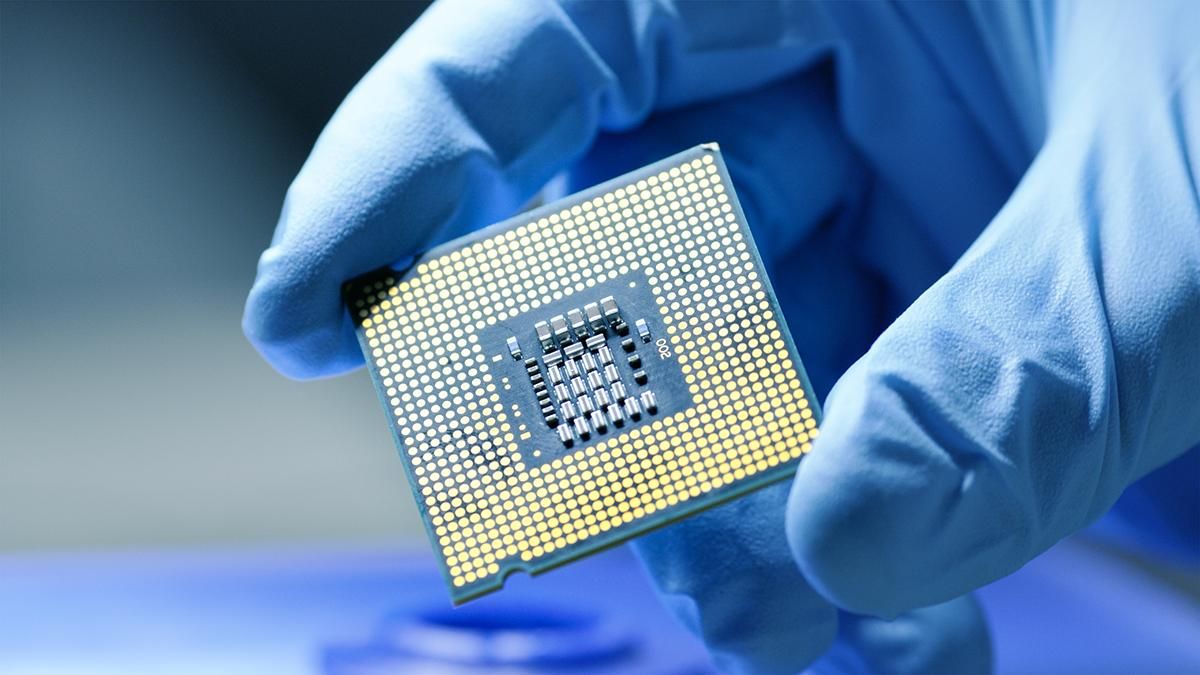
pixel 473 110
pixel 1012 403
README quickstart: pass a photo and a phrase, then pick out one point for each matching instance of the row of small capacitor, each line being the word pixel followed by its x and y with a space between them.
pixel 580 366
pixel 592 396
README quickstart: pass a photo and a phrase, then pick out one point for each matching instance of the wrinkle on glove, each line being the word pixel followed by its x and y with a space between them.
pixel 1055 364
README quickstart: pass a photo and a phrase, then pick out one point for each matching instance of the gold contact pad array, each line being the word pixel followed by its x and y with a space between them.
pixel 750 410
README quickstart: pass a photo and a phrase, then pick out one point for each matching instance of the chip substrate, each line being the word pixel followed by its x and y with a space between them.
pixel 585 372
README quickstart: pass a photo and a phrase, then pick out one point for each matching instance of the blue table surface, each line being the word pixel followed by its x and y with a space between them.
pixel 359 610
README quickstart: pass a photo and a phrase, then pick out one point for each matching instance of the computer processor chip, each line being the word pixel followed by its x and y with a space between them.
pixel 585 372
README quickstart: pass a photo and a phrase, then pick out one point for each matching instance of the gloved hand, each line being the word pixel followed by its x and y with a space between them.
pixel 1009 401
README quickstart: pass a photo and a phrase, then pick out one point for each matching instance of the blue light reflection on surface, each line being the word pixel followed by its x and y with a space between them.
pixel 385 610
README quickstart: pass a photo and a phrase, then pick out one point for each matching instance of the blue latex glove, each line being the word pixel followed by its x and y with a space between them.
pixel 1007 394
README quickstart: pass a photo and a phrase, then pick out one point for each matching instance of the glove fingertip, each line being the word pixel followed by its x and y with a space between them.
pixel 883 518
pixel 302 339
pixel 853 506
pixel 829 536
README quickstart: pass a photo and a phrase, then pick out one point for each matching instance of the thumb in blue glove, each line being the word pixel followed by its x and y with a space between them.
pixel 1056 363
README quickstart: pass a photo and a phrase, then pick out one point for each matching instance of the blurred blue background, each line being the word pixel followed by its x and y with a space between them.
pixel 144 150
pixel 149 459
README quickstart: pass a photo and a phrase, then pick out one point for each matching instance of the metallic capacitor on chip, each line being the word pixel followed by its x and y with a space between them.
pixel 543 333
pixel 649 402
pixel 582 428
pixel 616 415
pixel 611 373
pixel 558 325
pixel 598 422
pixel 585 404
pixel 608 305
pixel 633 409
pixel 575 318
pixel 593 316
pixel 643 330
